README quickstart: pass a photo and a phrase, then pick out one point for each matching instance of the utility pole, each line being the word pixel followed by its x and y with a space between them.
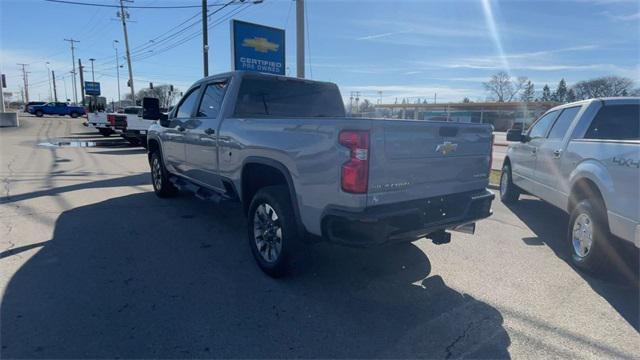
pixel 81 68
pixel 300 38
pixel 73 62
pixel 435 97
pixel 49 78
pixel 25 80
pixel 205 39
pixel 123 16
pixel 55 93
pixel 117 68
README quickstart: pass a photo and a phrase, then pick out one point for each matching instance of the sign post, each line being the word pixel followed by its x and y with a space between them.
pixel 256 47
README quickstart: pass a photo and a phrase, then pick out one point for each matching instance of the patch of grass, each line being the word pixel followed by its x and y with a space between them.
pixel 494 177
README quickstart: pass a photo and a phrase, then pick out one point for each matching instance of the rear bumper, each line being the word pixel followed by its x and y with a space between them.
pixel 406 221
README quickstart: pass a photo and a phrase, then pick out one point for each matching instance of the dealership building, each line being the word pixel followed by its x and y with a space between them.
pixel 502 115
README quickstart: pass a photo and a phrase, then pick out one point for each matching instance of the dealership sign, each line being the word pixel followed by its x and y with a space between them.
pixel 92 88
pixel 257 47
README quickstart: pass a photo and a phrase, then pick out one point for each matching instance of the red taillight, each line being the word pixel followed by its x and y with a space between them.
pixel 111 119
pixel 355 172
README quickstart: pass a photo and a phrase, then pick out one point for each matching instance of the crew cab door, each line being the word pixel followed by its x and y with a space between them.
pixel 61 109
pixel 548 171
pixel 173 138
pixel 524 158
pixel 201 136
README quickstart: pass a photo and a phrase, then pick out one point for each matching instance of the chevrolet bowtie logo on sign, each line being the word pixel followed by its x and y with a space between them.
pixel 446 148
pixel 257 47
pixel 260 44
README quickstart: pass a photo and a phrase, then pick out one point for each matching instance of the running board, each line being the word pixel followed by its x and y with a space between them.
pixel 200 192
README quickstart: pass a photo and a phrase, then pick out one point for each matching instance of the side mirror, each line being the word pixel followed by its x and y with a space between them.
pixel 164 120
pixel 516 135
pixel 151 108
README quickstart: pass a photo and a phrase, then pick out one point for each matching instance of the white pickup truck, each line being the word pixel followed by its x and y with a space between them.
pixel 135 129
pixel 584 158
pixel 130 124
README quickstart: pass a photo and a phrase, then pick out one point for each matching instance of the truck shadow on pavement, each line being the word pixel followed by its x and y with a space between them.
pixel 175 279
pixel 620 287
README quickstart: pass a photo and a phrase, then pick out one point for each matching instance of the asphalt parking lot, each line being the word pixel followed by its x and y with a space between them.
pixel 93 264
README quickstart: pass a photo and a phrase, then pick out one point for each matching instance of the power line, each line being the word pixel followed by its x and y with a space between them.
pixel 191 36
pixel 143 51
pixel 132 6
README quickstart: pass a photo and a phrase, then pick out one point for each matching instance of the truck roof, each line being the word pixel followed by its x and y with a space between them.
pixel 254 74
pixel 606 100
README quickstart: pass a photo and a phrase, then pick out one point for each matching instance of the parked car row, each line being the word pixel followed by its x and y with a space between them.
pixel 583 158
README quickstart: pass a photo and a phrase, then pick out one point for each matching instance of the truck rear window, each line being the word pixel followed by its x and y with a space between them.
pixel 264 97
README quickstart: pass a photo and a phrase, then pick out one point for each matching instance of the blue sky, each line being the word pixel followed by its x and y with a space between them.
pixel 405 48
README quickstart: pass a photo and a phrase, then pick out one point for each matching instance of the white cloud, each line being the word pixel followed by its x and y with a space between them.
pixel 630 17
pixel 378 36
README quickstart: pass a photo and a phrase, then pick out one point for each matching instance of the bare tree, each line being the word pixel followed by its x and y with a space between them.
pixel 603 87
pixel 502 88
pixel 162 93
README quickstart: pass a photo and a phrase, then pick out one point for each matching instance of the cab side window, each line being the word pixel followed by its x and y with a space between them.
pixel 539 129
pixel 186 106
pixel 212 100
pixel 561 125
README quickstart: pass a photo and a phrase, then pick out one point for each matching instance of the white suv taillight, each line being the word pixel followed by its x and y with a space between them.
pixel 355 172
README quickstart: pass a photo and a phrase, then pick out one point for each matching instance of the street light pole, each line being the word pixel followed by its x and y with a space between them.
pixel 93 75
pixel 300 38
pixel 117 68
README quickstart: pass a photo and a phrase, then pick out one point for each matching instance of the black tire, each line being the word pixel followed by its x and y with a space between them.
pixel 509 192
pixel 105 132
pixel 277 198
pixel 74 115
pixel 160 177
pixel 39 113
pixel 601 249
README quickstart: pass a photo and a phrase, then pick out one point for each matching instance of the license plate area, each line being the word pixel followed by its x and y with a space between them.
pixel 445 207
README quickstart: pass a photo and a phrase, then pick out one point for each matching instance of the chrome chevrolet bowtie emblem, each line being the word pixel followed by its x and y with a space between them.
pixel 446 148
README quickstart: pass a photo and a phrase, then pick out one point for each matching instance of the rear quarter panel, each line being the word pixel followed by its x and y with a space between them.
pixel 307 147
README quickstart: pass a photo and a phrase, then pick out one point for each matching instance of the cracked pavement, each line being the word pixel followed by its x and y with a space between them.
pixel 93 265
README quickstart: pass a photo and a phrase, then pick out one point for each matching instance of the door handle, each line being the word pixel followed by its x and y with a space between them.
pixel 209 131
pixel 179 128
pixel 557 153
pixel 534 151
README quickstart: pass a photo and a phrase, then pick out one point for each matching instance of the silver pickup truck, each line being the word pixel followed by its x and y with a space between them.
pixel 302 170
pixel 584 158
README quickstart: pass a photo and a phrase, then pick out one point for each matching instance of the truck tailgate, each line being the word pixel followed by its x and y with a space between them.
pixel 423 159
